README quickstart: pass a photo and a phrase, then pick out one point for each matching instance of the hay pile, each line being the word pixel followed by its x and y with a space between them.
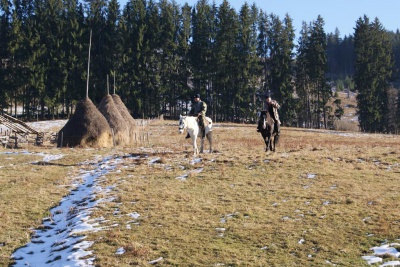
pixel 86 128
pixel 115 120
pixel 129 120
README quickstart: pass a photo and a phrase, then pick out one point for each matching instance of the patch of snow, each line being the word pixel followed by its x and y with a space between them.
pixel 391 264
pixel 156 261
pixel 120 251
pixel 386 249
pixel 372 259
pixel 134 215
pixel 45 126
pixel 183 177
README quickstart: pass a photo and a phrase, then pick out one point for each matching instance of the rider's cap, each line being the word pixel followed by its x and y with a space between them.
pixel 196 96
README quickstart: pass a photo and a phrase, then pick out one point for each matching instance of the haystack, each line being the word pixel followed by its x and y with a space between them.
pixel 86 128
pixel 115 120
pixel 130 121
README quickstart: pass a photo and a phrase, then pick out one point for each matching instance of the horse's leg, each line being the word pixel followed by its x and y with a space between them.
pixel 201 145
pixel 277 131
pixel 266 142
pixel 269 145
pixel 276 138
pixel 273 143
pixel 209 138
pixel 195 149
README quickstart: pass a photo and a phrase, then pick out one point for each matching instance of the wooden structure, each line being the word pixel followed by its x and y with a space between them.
pixel 18 128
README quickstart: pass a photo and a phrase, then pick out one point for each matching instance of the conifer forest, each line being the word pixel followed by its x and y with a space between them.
pixel 156 54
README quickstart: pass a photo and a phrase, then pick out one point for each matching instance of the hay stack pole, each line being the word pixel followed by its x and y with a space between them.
pixel 88 66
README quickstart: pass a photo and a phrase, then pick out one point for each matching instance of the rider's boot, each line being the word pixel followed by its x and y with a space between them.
pixel 187 136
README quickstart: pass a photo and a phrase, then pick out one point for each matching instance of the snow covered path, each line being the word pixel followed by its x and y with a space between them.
pixel 58 241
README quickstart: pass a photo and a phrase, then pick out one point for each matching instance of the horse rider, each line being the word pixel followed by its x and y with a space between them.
pixel 271 106
pixel 199 109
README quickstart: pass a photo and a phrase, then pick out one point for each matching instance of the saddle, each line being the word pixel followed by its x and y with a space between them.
pixel 206 121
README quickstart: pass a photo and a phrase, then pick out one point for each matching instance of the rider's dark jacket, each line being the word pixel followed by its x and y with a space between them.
pixel 198 107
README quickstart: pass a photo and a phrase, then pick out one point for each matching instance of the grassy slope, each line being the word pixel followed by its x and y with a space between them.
pixel 268 201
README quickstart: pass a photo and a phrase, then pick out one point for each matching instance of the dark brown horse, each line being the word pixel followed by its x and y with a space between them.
pixel 268 130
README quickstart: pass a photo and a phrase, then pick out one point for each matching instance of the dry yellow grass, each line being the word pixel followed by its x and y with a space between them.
pixel 314 202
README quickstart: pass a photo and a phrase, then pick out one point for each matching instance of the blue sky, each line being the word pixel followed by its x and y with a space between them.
pixel 341 14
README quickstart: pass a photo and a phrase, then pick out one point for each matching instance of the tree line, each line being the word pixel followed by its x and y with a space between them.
pixel 156 55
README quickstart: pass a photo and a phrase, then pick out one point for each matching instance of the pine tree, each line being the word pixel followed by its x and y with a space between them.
pixel 280 44
pixel 96 20
pixel 373 70
pixel 333 54
pixel 262 50
pixel 5 30
pixel 225 63
pixel 73 46
pixel 36 44
pixel 203 34
pixel 303 78
pixel 317 66
pixel 112 38
pixel 169 23
pixel 184 70
pixel 151 60
pixel 246 61
pixel 54 57
pixel 135 20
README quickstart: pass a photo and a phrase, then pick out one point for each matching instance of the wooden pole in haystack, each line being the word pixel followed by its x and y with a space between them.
pixel 108 86
pixel 88 66
pixel 114 83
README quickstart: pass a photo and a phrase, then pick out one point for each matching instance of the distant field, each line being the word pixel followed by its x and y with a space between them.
pixel 325 198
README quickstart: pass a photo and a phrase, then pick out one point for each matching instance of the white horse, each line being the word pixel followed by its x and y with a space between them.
pixel 190 124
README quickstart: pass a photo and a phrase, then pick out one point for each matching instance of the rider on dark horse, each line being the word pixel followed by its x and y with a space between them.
pixel 271 106
pixel 199 109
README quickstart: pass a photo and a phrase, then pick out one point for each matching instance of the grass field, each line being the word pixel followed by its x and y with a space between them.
pixel 324 198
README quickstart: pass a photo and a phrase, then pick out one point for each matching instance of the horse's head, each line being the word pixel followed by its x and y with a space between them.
pixel 182 123
pixel 263 121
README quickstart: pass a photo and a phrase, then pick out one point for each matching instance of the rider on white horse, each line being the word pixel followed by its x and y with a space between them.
pixel 199 109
